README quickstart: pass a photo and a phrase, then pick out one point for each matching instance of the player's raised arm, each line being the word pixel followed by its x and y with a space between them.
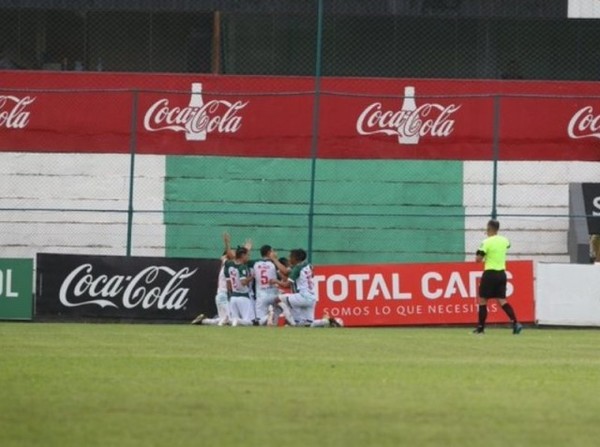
pixel 227 253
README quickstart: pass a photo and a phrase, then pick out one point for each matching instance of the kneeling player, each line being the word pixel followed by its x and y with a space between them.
pixel 222 296
pixel 241 307
pixel 299 306
pixel 265 271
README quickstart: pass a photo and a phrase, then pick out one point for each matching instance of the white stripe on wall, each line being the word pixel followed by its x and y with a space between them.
pixel 536 193
pixel 56 183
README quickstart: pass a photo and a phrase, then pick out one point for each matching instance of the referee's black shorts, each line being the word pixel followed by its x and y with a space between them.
pixel 493 284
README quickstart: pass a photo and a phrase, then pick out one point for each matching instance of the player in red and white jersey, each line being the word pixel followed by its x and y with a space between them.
pixel 265 271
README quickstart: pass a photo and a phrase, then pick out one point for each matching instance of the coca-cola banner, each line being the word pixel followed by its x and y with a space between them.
pixel 145 288
pixel 272 116
pixel 417 294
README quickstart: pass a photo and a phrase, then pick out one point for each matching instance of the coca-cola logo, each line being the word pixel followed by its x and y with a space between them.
pixel 584 124
pixel 13 113
pixel 409 123
pixel 197 119
pixel 81 288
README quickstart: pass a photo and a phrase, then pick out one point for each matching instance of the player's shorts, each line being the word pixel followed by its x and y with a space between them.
pixel 493 284
pixel 222 304
pixel 265 298
pixel 242 308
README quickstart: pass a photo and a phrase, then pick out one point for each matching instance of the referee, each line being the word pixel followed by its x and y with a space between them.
pixel 493 282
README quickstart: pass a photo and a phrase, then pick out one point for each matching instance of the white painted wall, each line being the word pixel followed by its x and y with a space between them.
pixel 568 294
pixel 62 188
pixel 533 205
pixel 583 9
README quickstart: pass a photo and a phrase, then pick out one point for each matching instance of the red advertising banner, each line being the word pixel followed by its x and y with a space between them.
pixel 417 294
pixel 272 116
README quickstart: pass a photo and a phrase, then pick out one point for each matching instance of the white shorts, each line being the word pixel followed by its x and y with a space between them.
pixel 301 306
pixel 264 299
pixel 222 304
pixel 241 308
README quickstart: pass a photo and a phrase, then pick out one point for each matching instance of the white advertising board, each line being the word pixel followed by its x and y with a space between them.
pixel 568 294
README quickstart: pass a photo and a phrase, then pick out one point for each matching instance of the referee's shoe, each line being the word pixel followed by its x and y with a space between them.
pixel 517 328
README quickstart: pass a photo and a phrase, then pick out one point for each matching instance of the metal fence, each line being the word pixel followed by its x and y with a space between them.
pixel 73 196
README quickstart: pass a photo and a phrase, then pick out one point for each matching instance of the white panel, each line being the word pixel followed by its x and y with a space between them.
pixel 517 195
pixel 149 187
pixel 97 185
pixel 83 182
pixel 548 219
pixel 48 164
pixel 583 9
pixel 526 172
pixel 536 192
pixel 65 203
pixel 567 294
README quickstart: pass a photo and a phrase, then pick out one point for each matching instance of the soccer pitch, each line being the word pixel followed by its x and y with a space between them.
pixel 180 385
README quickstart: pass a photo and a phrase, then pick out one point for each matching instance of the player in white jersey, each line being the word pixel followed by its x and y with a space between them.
pixel 222 296
pixel 239 279
pixel 265 271
pixel 299 306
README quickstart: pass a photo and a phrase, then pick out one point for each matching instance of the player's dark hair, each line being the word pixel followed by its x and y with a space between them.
pixel 265 249
pixel 240 251
pixel 284 261
pixel 298 254
pixel 494 224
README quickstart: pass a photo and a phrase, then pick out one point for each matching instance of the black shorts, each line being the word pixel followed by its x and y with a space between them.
pixel 493 284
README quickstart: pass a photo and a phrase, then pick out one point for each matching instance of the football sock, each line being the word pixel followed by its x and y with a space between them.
pixel 320 323
pixel 482 316
pixel 510 312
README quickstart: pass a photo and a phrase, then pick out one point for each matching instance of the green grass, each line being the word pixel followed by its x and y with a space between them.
pixel 180 385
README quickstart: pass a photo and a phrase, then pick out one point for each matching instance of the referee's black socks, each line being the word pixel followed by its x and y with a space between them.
pixel 482 317
pixel 510 312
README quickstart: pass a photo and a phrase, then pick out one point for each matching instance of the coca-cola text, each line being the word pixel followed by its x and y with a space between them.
pixel 584 124
pixel 422 121
pixel 215 116
pixel 131 291
pixel 12 111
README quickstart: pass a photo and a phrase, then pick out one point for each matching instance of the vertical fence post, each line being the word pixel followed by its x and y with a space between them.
pixel 496 154
pixel 132 150
pixel 315 126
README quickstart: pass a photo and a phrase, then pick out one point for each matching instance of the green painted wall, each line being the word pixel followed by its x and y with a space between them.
pixel 366 211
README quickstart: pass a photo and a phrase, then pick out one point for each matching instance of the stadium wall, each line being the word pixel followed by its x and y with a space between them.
pixel 78 202
pixel 82 200
pixel 533 204
pixel 65 170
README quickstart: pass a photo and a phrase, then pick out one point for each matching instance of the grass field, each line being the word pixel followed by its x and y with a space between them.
pixel 180 385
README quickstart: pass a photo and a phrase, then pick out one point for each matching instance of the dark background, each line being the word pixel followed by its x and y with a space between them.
pixel 478 39
pixel 590 192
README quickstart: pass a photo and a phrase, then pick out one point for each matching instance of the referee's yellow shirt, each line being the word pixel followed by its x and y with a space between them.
pixel 495 248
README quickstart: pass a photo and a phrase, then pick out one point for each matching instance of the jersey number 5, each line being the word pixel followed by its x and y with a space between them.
pixel 264 278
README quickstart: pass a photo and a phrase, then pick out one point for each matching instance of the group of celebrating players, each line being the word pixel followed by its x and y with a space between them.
pixel 258 293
